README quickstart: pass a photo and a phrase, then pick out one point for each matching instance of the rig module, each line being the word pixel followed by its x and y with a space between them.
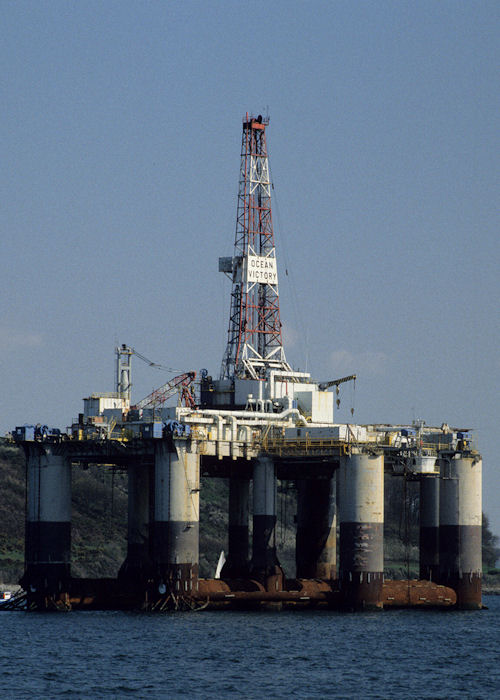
pixel 258 422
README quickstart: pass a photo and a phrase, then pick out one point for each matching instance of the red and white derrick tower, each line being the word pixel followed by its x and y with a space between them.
pixel 255 343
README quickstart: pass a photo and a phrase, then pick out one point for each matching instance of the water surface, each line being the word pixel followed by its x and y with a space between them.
pixel 392 654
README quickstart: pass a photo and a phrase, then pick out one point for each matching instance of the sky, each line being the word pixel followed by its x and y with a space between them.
pixel 121 126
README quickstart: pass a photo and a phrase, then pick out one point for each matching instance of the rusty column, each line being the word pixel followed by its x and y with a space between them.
pixel 176 518
pixel 429 528
pixel 48 521
pixel 265 565
pixel 237 561
pixel 137 566
pixel 361 511
pixel 316 541
pixel 460 561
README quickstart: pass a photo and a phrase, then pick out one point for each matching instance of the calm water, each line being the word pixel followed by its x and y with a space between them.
pixel 394 654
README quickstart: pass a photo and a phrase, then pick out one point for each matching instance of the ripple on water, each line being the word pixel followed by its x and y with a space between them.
pixel 318 654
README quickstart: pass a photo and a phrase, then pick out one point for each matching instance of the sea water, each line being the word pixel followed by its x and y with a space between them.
pixel 304 654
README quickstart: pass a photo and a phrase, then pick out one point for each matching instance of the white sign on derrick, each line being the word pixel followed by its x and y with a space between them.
pixel 261 269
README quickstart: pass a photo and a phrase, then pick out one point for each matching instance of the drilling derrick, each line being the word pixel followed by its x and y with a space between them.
pixel 254 337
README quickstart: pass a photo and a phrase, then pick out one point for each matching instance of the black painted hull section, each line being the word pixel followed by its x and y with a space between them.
pixel 361 565
pixel 237 564
pixel 362 591
pixel 460 562
pixel 48 542
pixel 48 554
pixel 315 549
pixel 361 546
pixel 429 553
pixel 264 558
pixel 175 553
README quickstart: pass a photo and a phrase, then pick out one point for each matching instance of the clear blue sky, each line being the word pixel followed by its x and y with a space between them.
pixel 121 128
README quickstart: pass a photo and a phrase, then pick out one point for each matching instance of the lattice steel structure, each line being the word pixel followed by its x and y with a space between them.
pixel 254 337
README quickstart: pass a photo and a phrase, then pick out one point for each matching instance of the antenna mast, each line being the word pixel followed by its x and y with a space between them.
pixel 254 337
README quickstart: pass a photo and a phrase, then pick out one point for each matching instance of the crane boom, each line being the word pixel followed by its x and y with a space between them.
pixel 335 382
pixel 179 384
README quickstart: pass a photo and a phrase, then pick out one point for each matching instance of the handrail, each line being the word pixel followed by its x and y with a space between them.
pixel 280 445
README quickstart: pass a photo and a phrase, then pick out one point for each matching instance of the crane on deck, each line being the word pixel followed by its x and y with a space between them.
pixel 323 386
pixel 181 384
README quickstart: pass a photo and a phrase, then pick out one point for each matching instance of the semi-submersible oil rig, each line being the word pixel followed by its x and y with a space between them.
pixel 260 421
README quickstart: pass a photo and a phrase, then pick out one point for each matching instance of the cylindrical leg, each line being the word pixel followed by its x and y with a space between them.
pixel 316 542
pixel 137 565
pixel 48 522
pixel 361 511
pixel 237 563
pixel 460 563
pixel 429 528
pixel 176 525
pixel 265 565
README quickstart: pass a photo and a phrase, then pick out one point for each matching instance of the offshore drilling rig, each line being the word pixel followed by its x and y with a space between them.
pixel 260 421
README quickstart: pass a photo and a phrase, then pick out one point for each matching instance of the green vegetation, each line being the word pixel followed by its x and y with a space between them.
pixel 99 523
pixel 491 550
pixel 214 495
pixel 401 527
pixel 12 504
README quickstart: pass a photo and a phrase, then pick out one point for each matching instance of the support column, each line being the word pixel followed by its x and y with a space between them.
pixel 429 528
pixel 265 565
pixel 460 556
pixel 176 525
pixel 137 565
pixel 48 521
pixel 316 541
pixel 361 511
pixel 237 562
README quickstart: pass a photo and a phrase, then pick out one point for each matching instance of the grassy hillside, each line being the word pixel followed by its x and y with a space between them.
pixel 12 505
pixel 99 522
